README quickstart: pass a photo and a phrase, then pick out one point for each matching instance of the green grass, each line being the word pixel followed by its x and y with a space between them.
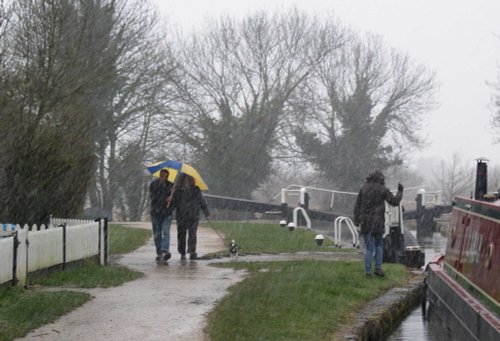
pixel 24 310
pixel 296 300
pixel 126 239
pixel 268 238
pixel 292 300
pixel 90 275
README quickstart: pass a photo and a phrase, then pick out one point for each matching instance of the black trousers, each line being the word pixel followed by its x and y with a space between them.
pixel 189 227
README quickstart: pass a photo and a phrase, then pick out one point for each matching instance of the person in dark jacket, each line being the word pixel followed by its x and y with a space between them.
pixel 161 217
pixel 187 202
pixel 369 214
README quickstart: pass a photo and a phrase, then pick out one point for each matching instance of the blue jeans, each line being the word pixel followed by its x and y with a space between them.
pixel 373 243
pixel 161 233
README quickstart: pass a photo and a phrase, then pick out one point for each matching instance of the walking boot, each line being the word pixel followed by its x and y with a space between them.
pixel 166 256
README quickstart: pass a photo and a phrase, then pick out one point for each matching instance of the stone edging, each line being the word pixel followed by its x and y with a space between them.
pixel 381 315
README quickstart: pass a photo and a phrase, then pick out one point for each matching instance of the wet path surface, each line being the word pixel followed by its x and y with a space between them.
pixel 169 303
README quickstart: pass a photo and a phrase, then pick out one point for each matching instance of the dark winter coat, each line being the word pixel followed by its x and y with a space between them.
pixel 159 192
pixel 187 203
pixel 369 211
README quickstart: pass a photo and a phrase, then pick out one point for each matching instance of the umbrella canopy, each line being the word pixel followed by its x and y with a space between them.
pixel 176 167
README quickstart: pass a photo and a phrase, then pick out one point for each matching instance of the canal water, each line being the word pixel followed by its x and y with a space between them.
pixel 421 324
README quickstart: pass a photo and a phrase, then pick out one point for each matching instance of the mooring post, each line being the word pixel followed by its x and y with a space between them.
pixel 420 212
pixel 284 206
pixel 425 218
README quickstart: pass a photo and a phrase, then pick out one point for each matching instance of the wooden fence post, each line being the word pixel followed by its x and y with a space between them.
pixel 64 245
pixel 14 259
pixel 103 240
pixel 106 241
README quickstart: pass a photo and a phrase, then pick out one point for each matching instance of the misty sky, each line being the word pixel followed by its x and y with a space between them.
pixel 459 40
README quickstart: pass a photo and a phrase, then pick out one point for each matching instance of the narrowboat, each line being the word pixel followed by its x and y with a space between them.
pixel 463 285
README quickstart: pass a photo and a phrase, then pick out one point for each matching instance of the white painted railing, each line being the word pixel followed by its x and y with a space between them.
pixel 338 231
pixel 300 190
pixel 68 222
pixel 82 241
pixel 304 214
pixel 64 240
pixel 45 248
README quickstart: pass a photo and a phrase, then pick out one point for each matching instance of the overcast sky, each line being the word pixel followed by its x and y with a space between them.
pixel 458 39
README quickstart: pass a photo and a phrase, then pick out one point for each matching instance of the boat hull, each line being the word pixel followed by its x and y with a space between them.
pixel 464 285
pixel 473 248
pixel 463 315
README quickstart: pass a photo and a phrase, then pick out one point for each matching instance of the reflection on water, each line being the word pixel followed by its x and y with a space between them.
pixel 414 327
pixel 421 324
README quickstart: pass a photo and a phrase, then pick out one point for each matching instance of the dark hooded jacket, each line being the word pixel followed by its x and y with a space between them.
pixel 188 202
pixel 369 211
pixel 159 192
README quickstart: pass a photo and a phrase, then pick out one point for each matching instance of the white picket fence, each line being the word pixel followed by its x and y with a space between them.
pixel 61 242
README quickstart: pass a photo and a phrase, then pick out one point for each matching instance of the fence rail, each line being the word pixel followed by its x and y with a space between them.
pixel 24 250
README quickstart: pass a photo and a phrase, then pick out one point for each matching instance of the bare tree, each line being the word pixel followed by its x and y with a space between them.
pixel 361 111
pixel 495 106
pixel 453 177
pixel 134 98
pixel 233 84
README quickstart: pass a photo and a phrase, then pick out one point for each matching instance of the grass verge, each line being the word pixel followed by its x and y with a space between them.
pixel 270 238
pixel 296 300
pixel 24 310
pixel 126 239
pixel 90 275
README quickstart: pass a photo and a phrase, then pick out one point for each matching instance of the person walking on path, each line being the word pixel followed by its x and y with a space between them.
pixel 187 202
pixel 161 217
pixel 369 214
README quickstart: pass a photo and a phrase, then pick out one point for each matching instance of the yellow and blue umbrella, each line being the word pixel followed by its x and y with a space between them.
pixel 174 168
